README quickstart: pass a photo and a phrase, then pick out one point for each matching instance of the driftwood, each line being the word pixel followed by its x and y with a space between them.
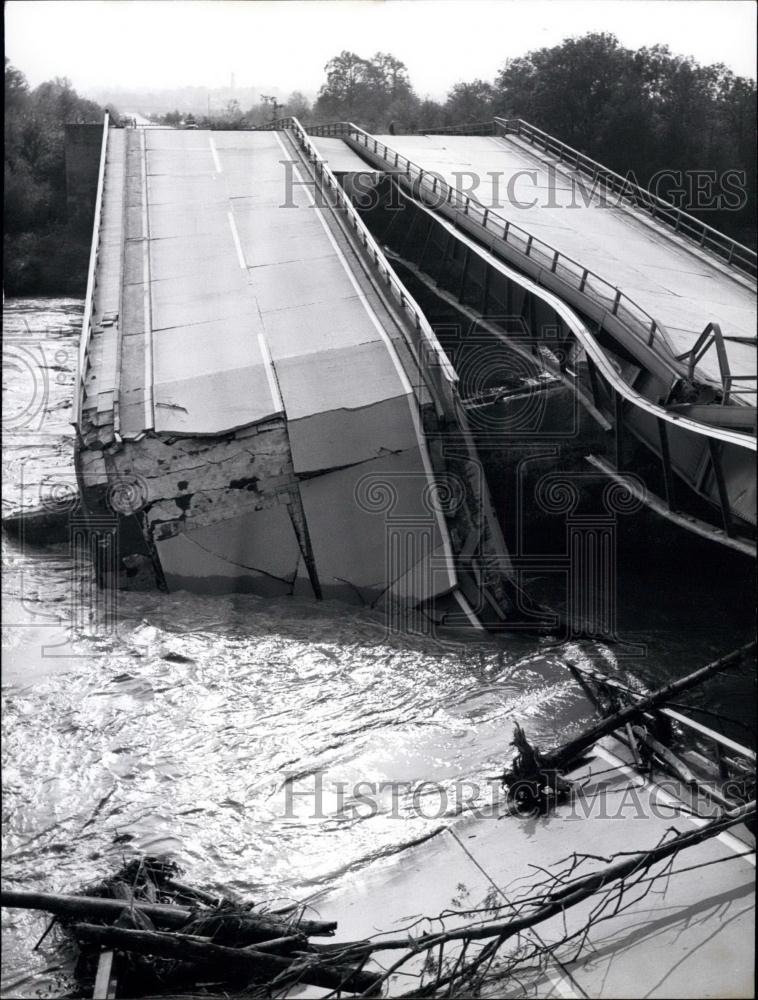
pixel 545 764
pixel 246 962
pixel 677 767
pixel 92 907
pixel 237 929
pixel 280 946
pixel 157 941
pixel 532 782
pixel 558 893
pixel 192 892
pixel 254 926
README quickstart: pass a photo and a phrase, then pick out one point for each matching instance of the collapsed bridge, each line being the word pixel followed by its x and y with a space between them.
pixel 265 405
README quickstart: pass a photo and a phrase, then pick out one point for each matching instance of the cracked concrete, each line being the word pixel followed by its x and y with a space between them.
pixel 270 399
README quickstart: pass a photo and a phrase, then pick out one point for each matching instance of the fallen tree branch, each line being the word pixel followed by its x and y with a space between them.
pixel 245 961
pixel 644 860
pixel 92 907
pixel 257 926
pixel 614 887
pixel 561 758
pixel 561 898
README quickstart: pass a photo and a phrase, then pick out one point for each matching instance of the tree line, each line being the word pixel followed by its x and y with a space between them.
pixel 638 111
pixel 232 116
pixel 635 110
pixel 42 254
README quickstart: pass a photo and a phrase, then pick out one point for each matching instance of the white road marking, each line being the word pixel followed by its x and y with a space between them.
pixel 216 160
pixel 358 290
pixel 146 314
pixel 732 842
pixel 268 363
pixel 407 388
pixel 236 238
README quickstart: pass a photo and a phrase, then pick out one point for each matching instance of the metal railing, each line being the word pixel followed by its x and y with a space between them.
pixel 433 188
pixel 713 337
pixel 431 358
pixel 89 301
pixel 730 251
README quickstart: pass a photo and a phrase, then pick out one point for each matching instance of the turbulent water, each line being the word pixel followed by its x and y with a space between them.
pixel 198 726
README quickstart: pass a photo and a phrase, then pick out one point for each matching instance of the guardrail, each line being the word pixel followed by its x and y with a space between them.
pixel 431 358
pixel 608 296
pixel 613 400
pixel 86 335
pixel 733 253
pixel 713 337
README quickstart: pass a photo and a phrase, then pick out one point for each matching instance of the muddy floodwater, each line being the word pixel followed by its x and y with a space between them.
pixel 219 730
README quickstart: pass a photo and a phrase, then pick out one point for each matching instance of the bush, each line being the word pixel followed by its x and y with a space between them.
pixel 42 256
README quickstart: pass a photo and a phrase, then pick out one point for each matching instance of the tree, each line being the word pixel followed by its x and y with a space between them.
pixel 471 102
pixel 430 114
pixel 345 84
pixel 41 254
pixel 390 75
pixel 569 89
pixel 640 111
pixel 298 105
pixel 372 91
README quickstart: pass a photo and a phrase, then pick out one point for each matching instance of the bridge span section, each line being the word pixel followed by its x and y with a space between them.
pixel 662 275
pixel 257 389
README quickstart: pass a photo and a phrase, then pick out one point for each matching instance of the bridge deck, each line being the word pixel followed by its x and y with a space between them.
pixel 677 284
pixel 247 300
pixel 232 312
pixel 663 943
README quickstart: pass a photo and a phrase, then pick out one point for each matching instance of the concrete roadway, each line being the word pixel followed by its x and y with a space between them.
pixel 688 936
pixel 238 307
pixel 254 309
pixel 667 276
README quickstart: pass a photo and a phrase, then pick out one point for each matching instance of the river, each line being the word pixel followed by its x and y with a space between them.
pixel 198 726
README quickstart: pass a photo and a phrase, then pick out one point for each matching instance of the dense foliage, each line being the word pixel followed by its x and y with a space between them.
pixel 643 110
pixel 640 111
pixel 41 253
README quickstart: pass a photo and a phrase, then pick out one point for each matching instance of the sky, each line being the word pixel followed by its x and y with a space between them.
pixel 285 43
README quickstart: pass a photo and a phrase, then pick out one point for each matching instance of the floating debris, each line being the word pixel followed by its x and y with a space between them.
pixel 142 931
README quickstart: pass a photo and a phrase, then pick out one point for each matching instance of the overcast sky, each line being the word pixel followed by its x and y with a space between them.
pixel 285 43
